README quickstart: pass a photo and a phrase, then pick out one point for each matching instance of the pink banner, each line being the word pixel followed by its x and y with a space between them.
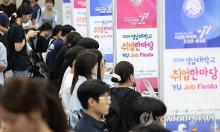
pixel 79 3
pixel 136 14
pixel 141 86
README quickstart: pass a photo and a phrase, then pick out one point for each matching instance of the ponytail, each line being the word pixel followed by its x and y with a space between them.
pixel 13 18
pixel 75 79
pixel 115 78
pixel 84 63
pixel 122 72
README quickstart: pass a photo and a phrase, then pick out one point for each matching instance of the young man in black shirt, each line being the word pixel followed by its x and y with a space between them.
pixel 94 98
pixel 18 39
pixel 8 7
pixel 39 43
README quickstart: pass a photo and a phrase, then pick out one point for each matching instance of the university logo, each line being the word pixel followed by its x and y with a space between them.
pixel 193 8
pixel 136 3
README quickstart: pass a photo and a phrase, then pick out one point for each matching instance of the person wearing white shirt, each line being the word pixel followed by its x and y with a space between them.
pixel 3 62
pixel 85 66
pixel 64 92
pixel 4 23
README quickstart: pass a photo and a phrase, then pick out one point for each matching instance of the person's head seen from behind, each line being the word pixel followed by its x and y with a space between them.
pixel 23 14
pixel 66 29
pixel 123 73
pixel 28 105
pixel 88 43
pixel 85 64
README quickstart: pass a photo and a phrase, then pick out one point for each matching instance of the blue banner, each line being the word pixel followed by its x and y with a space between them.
pixel 100 7
pixel 66 1
pixel 192 24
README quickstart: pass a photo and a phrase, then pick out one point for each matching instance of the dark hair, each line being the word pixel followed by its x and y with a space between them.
pixel 153 127
pixel 124 69
pixel 56 30
pixel 77 37
pixel 45 27
pixel 91 89
pixel 100 57
pixel 84 62
pixel 4 20
pixel 24 9
pixel 22 96
pixel 66 29
pixel 72 53
pixel 88 43
pixel 73 37
pixel 148 104
pixel 26 1
pixel 52 1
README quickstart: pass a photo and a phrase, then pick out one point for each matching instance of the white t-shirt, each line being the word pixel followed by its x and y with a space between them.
pixel 75 105
pixel 3 61
pixel 65 90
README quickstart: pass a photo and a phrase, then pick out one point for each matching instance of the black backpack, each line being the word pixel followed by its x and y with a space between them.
pixel 39 44
pixel 10 48
pixel 115 120
pixel 37 67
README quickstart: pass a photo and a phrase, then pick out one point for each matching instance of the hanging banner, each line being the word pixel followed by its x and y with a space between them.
pixel 191 65
pixel 79 16
pixel 100 26
pixel 67 16
pixel 136 39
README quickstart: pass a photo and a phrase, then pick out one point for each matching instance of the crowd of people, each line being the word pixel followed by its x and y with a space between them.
pixel 57 83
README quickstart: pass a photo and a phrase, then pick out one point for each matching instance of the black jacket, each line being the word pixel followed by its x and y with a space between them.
pixel 89 124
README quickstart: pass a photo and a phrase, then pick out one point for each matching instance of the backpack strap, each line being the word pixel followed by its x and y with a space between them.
pixel 33 43
pixel 80 114
pixel 50 42
pixel 40 12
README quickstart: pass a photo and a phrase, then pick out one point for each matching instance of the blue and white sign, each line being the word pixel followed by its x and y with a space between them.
pixel 196 24
pixel 191 72
pixel 67 12
pixel 100 26
pixel 79 16
pixel 100 7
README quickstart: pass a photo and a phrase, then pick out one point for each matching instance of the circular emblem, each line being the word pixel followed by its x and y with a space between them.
pixel 146 118
pixel 136 3
pixel 193 8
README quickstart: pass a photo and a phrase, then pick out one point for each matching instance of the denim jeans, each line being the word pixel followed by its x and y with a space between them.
pixel 20 73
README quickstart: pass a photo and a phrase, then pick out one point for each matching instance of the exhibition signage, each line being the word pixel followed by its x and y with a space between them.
pixel 191 61
pixel 136 38
pixel 79 16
